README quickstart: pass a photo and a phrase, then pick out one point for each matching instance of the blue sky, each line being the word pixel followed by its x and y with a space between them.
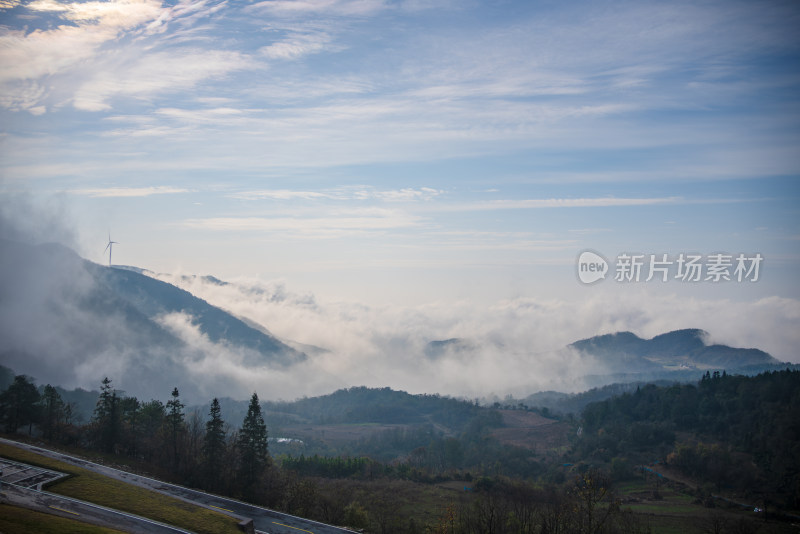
pixel 409 151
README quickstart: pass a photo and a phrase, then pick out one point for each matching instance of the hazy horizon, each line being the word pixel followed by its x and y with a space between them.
pixel 511 347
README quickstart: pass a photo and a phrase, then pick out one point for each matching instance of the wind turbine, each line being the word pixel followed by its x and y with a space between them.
pixel 109 247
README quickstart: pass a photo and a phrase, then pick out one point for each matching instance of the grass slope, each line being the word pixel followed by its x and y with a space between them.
pixel 24 521
pixel 95 488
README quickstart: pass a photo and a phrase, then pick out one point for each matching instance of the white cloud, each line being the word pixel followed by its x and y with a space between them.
pixel 541 203
pixel 296 8
pixel 296 45
pixel 156 73
pixel 202 115
pixel 215 369
pixel 344 223
pixel 408 194
pixel 23 97
pixel 31 55
pixel 100 54
pixel 517 345
pixel 497 241
pixel 129 191
pixel 122 14
pixel 453 93
pixel 281 194
pixel 344 193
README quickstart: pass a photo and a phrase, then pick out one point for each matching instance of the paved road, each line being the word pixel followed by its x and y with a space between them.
pixel 264 520
pixel 83 511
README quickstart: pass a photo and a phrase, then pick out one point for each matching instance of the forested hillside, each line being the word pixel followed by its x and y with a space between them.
pixel 737 432
pixel 368 405
pixel 391 462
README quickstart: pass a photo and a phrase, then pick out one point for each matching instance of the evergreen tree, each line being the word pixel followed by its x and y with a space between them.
pixel 252 445
pixel 131 410
pixel 52 412
pixel 106 416
pixel 18 404
pixel 214 446
pixel 151 421
pixel 174 421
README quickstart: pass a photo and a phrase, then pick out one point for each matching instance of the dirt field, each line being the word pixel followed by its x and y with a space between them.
pixel 522 419
pixel 522 429
pixel 532 431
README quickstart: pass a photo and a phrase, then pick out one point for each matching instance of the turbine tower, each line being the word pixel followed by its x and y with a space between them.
pixel 109 247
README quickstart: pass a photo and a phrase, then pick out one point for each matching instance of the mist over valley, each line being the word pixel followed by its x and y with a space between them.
pixel 71 322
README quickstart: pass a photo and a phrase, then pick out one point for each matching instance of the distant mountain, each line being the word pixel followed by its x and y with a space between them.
pixel 155 298
pixel 439 348
pixel 625 352
pixel 624 357
pixel 69 321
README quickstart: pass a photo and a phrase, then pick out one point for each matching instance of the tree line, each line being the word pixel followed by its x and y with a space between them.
pixel 207 454
pixel 356 491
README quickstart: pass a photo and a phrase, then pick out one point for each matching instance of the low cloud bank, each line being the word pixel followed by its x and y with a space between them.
pixel 515 346
pixel 60 324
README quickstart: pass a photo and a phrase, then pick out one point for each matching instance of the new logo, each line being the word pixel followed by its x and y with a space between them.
pixel 591 267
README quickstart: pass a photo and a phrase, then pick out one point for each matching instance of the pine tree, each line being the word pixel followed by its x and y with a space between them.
pixel 252 444
pixel 131 410
pixel 106 416
pixel 151 421
pixel 52 412
pixel 174 421
pixel 214 446
pixel 18 404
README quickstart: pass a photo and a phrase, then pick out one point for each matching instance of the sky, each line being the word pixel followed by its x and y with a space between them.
pixel 413 155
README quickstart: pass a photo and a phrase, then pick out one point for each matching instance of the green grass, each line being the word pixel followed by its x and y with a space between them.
pixel 676 512
pixel 672 525
pixel 665 509
pixel 92 487
pixel 24 521
pixel 630 486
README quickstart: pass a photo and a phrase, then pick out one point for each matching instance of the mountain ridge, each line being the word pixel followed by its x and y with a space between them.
pixel 684 349
pixel 77 321
pixel 155 297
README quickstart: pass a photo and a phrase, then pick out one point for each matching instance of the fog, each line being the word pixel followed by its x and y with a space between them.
pixel 61 325
pixel 516 346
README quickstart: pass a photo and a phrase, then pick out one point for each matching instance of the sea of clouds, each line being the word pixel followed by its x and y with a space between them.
pixel 516 346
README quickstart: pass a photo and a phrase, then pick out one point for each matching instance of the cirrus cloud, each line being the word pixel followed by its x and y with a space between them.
pixel 96 51
pixel 129 191
pixel 336 225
